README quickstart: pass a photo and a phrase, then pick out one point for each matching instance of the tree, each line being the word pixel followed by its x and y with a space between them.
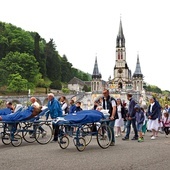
pixel 39 53
pixel 17 83
pixel 3 77
pixel 53 63
pixel 86 88
pixel 23 64
pixel 19 40
pixel 56 85
pixel 66 69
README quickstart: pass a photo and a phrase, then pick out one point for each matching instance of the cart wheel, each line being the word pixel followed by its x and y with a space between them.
pixel 6 139
pixel 104 136
pixel 43 133
pixel 17 140
pixel 64 142
pixel 86 133
pixel 80 144
pixel 28 134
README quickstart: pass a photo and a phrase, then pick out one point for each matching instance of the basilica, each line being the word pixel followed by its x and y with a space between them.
pixel 123 79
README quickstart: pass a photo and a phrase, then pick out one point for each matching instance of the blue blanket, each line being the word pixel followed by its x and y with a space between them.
pixel 19 115
pixel 5 111
pixel 84 116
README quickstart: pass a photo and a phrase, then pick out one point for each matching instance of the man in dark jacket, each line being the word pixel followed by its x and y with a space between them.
pixel 109 103
pixel 130 120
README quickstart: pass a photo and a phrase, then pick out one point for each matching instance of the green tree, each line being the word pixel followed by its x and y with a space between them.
pixel 56 85
pixel 53 63
pixel 19 40
pixel 85 88
pixel 23 64
pixel 3 77
pixel 17 83
pixel 66 69
pixel 39 44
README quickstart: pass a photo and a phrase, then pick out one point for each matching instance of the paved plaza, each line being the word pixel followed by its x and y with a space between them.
pixel 125 155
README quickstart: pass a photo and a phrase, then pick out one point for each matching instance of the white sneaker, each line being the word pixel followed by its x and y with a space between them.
pixel 116 136
pixel 166 136
pixel 153 138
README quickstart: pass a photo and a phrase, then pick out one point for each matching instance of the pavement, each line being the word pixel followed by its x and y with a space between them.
pixel 125 155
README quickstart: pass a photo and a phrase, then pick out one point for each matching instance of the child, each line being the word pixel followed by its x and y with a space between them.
pixel 144 127
pixel 166 123
pixel 78 107
pixel 139 120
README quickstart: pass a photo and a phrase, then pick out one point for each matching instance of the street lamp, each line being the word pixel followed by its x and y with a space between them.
pixel 29 93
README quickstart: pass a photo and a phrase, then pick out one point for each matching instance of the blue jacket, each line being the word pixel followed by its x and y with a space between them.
pixel 140 117
pixel 55 109
pixel 155 111
pixel 78 109
pixel 72 108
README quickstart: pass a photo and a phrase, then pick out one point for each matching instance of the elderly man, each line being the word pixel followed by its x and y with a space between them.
pixel 34 102
pixel 109 103
pixel 55 111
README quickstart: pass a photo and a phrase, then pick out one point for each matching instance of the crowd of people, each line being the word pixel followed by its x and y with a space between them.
pixel 153 119
pixel 122 115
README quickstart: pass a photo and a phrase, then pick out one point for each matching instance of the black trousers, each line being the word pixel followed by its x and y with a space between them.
pixel 166 129
pixel 56 132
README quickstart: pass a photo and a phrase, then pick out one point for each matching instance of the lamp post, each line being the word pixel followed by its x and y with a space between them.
pixel 29 93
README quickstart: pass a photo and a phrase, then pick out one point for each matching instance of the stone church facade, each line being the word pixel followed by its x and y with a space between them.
pixel 123 80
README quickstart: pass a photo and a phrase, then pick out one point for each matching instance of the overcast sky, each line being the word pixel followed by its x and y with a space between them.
pixel 84 29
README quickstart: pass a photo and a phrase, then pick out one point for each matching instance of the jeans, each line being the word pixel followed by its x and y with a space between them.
pixel 133 122
pixel 125 125
pixel 111 124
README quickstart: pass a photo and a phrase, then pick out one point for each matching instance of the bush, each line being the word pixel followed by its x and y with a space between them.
pixel 56 85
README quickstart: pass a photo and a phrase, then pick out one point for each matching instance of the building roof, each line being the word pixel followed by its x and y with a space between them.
pixel 76 80
pixel 120 41
pixel 138 72
pixel 96 73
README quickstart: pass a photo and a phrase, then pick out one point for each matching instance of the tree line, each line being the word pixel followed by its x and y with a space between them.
pixel 27 61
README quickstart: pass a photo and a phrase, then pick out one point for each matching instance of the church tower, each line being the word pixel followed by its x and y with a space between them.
pixel 122 73
pixel 138 77
pixel 96 83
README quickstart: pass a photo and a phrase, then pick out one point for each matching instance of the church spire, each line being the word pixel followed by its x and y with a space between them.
pixel 96 73
pixel 138 72
pixel 120 41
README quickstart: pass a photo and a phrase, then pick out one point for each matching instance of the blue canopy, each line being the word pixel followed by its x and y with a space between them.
pixel 84 116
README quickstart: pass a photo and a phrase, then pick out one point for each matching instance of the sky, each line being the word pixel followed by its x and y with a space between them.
pixel 84 29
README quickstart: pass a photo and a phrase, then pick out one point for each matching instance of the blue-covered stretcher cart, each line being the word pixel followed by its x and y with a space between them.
pixel 81 126
pixel 18 126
